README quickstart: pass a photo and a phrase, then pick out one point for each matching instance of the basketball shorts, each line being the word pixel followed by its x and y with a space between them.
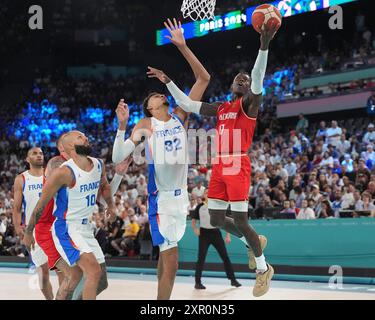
pixel 37 254
pixel 167 216
pixel 73 238
pixel 230 182
pixel 43 237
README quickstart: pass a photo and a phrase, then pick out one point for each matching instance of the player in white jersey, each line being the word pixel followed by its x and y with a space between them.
pixel 27 190
pixel 75 186
pixel 166 150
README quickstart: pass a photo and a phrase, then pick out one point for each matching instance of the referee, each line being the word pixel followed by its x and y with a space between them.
pixel 210 235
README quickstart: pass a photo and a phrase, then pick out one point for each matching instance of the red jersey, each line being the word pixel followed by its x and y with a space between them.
pixel 235 129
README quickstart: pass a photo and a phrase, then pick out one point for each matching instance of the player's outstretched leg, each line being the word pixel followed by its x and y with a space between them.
pixel 239 226
pixel 45 284
pixel 167 269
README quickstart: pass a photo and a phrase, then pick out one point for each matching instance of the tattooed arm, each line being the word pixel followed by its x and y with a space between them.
pixel 59 178
pixel 53 164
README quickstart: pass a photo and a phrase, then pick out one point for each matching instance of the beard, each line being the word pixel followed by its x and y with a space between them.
pixel 83 150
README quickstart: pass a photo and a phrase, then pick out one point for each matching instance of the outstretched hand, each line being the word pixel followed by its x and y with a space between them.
pixel 122 112
pixel 266 34
pixel 177 36
pixel 155 73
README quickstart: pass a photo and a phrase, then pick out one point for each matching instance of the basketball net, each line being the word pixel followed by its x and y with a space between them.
pixel 198 9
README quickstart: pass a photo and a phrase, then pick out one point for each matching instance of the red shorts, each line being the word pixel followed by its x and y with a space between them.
pixel 230 181
pixel 43 236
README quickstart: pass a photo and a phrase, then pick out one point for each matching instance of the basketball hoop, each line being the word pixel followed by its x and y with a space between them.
pixel 198 9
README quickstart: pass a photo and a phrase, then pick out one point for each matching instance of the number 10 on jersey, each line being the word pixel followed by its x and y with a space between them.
pixel 91 200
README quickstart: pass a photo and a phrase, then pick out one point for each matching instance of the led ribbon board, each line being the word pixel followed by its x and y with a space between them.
pixel 239 19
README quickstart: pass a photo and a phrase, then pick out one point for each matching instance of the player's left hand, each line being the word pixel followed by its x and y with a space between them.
pixel 156 73
pixel 122 167
pixel 177 36
pixel 266 35
pixel 29 241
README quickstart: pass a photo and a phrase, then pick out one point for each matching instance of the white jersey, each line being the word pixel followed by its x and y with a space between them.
pixel 31 192
pixel 166 152
pixel 77 202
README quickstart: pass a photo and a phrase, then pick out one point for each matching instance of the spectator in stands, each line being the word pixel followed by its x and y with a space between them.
pixel 337 203
pixel 326 211
pixel 302 124
pixel 343 145
pixel 300 196
pixel 347 163
pixel 274 178
pixel 130 234
pixel 327 161
pixel 322 131
pixel 293 206
pixel 366 205
pixel 291 167
pixel 287 208
pixel 334 134
pixel 198 191
pixel 369 156
pixel 305 213
pixel 348 197
pixel 369 136
pixel 142 218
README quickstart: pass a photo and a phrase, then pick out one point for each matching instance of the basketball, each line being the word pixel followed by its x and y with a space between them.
pixel 265 14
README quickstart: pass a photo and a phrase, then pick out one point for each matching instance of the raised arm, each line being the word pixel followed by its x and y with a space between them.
pixel 17 206
pixel 184 102
pixel 121 169
pixel 201 75
pixel 60 177
pixel 252 100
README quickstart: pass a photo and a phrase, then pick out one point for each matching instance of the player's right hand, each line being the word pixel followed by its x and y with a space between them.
pixel 122 112
pixel 197 232
pixel 177 36
pixel 29 241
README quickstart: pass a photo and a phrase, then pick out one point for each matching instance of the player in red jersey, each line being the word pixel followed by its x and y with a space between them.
pixel 230 180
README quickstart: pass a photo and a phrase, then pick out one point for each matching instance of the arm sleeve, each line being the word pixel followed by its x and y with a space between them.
pixel 183 100
pixel 258 72
pixel 121 148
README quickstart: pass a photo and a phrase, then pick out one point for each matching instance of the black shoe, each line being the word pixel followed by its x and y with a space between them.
pixel 235 283
pixel 199 286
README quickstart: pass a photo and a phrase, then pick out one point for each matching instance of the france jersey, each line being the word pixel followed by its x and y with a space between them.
pixel 166 152
pixel 31 192
pixel 77 202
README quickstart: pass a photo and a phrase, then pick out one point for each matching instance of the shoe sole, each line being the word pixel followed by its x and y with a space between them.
pixel 263 244
pixel 272 272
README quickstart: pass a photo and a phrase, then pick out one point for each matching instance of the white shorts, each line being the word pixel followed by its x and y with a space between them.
pixel 38 256
pixel 168 223
pixel 73 238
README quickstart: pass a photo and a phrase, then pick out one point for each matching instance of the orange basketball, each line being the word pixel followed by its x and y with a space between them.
pixel 266 14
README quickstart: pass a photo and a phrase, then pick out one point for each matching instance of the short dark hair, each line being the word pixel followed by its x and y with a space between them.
pixel 146 112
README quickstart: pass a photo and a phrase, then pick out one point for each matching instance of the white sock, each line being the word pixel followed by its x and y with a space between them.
pixel 261 264
pixel 243 239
